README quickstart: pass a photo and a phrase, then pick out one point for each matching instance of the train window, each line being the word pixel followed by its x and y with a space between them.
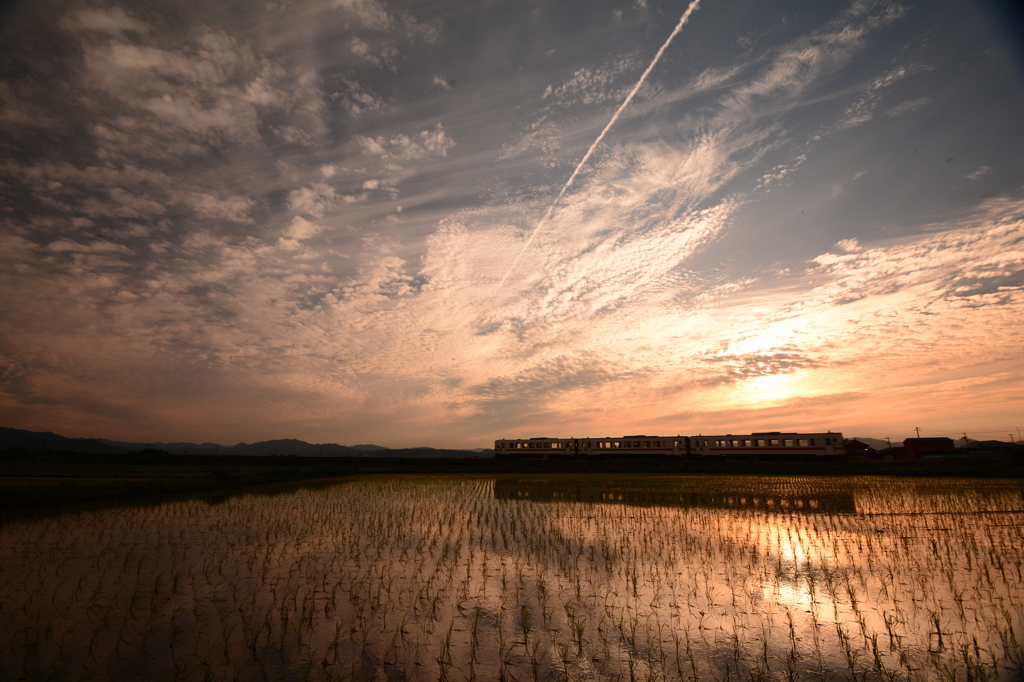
pixel 760 443
pixel 828 441
pixel 735 443
pixel 774 441
pixel 617 444
pixel 812 441
pixel 803 443
pixel 748 443
pixel 789 442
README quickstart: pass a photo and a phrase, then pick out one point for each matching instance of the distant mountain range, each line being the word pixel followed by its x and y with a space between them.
pixel 20 438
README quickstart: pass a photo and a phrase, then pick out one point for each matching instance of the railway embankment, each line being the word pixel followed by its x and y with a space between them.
pixel 34 478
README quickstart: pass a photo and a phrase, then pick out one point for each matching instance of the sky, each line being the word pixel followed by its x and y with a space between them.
pixel 410 223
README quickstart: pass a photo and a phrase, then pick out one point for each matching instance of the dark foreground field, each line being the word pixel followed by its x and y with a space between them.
pixel 34 478
pixel 547 577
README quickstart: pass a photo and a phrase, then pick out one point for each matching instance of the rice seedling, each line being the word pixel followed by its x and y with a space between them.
pixel 560 578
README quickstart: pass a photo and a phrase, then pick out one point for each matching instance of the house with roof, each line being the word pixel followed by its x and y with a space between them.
pixel 858 449
pixel 992 448
pixel 917 448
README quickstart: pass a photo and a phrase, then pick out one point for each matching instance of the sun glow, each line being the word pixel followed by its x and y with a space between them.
pixel 771 389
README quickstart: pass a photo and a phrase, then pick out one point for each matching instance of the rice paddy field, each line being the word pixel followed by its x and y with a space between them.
pixel 560 577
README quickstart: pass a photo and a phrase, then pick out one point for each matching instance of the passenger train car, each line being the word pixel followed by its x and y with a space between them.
pixel 768 445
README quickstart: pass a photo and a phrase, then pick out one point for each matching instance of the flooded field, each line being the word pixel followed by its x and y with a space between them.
pixel 528 578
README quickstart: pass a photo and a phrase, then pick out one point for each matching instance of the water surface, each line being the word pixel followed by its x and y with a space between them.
pixel 529 577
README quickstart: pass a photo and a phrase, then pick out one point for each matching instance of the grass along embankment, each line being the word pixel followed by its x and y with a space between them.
pixel 46 478
pixel 31 478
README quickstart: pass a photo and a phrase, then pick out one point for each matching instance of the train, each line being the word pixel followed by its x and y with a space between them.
pixel 769 445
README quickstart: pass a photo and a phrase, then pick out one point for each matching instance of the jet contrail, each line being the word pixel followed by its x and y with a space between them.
pixel 551 209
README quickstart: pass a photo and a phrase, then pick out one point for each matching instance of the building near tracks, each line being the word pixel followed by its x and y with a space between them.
pixel 765 445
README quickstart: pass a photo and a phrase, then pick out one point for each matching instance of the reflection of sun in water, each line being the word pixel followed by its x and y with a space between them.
pixel 796 551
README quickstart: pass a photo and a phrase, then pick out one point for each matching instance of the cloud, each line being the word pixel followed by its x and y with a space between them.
pixel 543 136
pixel 235 209
pixel 609 82
pixel 66 245
pixel 110 20
pixel 862 110
pixel 300 228
pixel 399 156
pixel 909 106
pixel 357 100
pixel 982 170
pixel 314 200
pixel 805 60
pixel 369 12
pixel 188 247
pixel 408 147
pixel 209 90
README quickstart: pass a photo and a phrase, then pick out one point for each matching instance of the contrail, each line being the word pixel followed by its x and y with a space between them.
pixel 650 67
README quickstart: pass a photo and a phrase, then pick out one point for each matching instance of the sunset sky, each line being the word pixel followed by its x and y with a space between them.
pixel 325 219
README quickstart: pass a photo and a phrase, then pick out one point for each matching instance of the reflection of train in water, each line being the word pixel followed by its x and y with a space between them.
pixel 771 445
pixel 771 496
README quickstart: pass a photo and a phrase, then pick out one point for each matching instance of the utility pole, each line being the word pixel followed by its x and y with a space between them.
pixel 965 439
pixel 1018 436
pixel 918 429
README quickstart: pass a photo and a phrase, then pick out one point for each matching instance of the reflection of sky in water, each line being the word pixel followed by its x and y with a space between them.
pixel 425 579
